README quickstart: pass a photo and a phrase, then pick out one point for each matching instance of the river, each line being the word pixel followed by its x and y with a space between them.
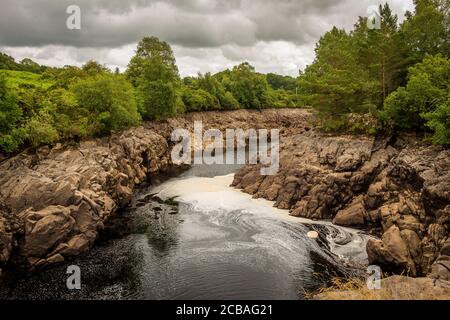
pixel 194 237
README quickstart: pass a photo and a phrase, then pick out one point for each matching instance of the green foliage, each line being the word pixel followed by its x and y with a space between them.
pixel 154 60
pixel 222 99
pixel 17 79
pixel 336 84
pixel 399 73
pixel 427 88
pixel 8 63
pixel 40 129
pixel 42 105
pixel 427 30
pixel 154 74
pixel 439 122
pixel 109 101
pixel 281 82
pixel 11 136
pixel 199 100
pixel 70 120
pixel 93 68
pixel 156 99
pixel 248 87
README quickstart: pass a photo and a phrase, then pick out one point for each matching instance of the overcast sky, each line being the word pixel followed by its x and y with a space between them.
pixel 206 35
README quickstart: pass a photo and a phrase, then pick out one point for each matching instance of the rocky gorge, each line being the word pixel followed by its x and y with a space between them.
pixel 398 189
pixel 55 201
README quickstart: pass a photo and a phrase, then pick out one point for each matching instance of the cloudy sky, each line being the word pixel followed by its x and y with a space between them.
pixel 206 35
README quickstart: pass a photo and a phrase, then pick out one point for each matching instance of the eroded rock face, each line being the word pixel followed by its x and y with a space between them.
pixel 53 202
pixel 399 191
pixel 5 242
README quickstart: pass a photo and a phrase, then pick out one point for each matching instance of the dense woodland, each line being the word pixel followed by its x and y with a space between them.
pixel 398 75
pixel 362 81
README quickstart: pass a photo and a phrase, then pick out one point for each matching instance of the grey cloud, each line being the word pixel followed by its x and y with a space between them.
pixel 207 35
pixel 195 23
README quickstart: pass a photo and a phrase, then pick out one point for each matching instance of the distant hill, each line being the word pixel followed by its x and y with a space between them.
pixel 9 63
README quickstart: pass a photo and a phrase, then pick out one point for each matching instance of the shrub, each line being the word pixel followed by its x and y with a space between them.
pixel 40 130
pixel 109 102
pixel 439 122
pixel 199 100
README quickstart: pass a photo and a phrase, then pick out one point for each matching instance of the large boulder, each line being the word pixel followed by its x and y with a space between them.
pixel 352 216
pixel 391 252
pixel 45 229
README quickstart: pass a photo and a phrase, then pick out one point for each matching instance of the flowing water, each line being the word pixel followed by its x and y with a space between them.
pixel 194 237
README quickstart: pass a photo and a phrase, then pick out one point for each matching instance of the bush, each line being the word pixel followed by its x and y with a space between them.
pixel 439 122
pixel 229 102
pixel 427 89
pixel 109 101
pixel 199 100
pixel 13 140
pixel 11 137
pixel 40 130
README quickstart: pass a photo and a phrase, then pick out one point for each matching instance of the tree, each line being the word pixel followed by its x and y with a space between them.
pixel 30 66
pixel 427 31
pixel 154 74
pixel 382 52
pixel 336 83
pixel 156 52
pixel 40 129
pixel 249 88
pixel 281 82
pixel 109 101
pixel 93 68
pixel 11 136
pixel 7 62
pixel 427 89
pixel 199 100
pixel 213 86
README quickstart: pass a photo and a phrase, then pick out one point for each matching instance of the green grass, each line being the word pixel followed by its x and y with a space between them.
pixel 16 78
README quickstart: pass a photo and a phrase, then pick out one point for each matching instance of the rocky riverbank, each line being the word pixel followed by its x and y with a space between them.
pixel 54 201
pixel 397 189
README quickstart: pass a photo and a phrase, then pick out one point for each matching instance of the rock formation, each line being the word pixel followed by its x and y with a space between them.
pixel 398 190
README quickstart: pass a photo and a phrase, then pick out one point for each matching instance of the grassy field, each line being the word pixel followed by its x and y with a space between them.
pixel 17 78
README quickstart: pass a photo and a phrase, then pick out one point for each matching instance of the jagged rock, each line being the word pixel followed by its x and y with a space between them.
pixel 391 252
pixel 354 215
pixel 441 268
pixel 5 242
pixel 75 246
pixel 366 182
pixel 45 229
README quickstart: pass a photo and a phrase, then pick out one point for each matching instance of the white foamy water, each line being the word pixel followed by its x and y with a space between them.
pixel 213 195
pixel 223 244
